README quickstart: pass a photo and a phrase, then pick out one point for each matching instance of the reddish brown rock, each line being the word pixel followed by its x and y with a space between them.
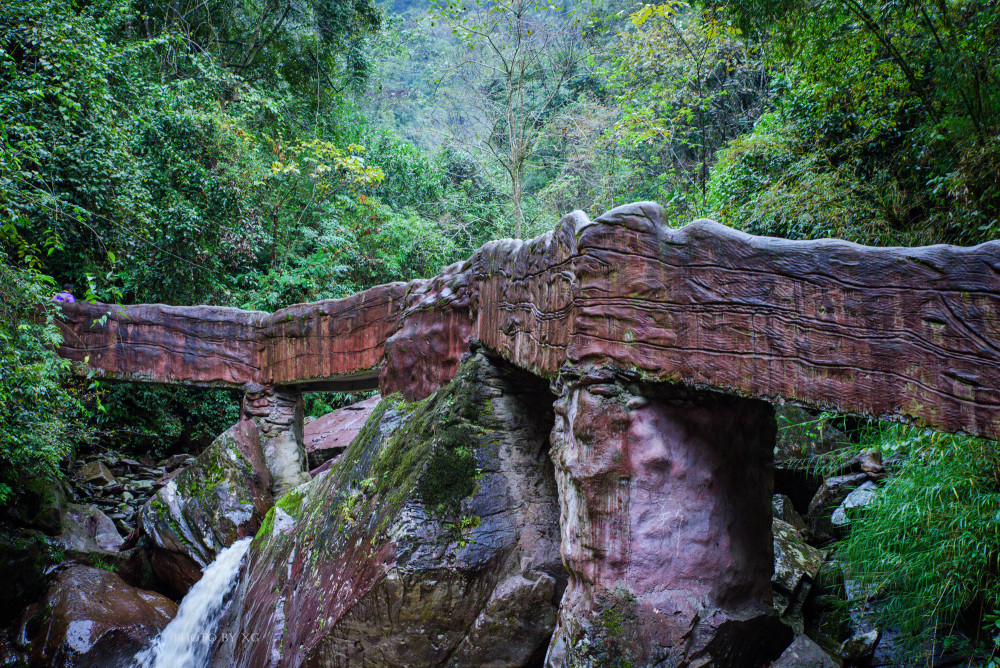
pixel 209 505
pixel 91 617
pixel 899 333
pixel 86 529
pixel 328 436
pixel 666 517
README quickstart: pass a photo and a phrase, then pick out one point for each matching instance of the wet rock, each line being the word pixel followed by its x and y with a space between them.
pixel 785 511
pixel 434 538
pixel 796 565
pixel 27 561
pixel 804 653
pixel 860 647
pixel 86 529
pixel 859 498
pixel 91 617
pixel 96 473
pixel 830 495
pixel 326 437
pixel 208 506
pixel 12 655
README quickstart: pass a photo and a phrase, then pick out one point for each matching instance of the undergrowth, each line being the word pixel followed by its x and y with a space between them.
pixel 928 546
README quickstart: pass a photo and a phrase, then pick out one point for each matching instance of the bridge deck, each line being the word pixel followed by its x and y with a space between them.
pixel 906 333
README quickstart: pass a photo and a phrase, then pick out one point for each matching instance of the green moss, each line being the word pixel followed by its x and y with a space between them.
pixel 614 632
pixel 291 503
pixel 267 526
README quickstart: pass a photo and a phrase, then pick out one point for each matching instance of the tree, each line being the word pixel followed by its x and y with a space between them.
pixel 685 83
pixel 517 60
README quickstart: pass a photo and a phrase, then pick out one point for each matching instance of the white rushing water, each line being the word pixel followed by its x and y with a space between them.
pixel 187 639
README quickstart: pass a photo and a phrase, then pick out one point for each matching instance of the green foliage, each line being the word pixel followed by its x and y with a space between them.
pixel 929 545
pixel 882 108
pixel 685 83
pixel 38 421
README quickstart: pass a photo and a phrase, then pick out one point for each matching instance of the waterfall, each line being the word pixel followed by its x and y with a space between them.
pixel 187 639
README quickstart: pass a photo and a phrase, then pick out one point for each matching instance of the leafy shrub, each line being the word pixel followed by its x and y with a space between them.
pixel 931 539
pixel 38 419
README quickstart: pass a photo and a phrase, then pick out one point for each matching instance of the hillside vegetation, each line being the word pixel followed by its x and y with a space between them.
pixel 259 153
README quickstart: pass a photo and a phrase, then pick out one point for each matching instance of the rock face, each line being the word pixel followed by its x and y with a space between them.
pixel 434 540
pixel 828 497
pixel 27 559
pixel 666 510
pixel 804 653
pixel 91 617
pixel 796 565
pixel 209 505
pixel 328 436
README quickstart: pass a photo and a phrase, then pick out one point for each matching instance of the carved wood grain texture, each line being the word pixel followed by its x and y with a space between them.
pixel 907 333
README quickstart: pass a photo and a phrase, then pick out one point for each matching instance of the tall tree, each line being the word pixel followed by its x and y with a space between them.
pixel 517 60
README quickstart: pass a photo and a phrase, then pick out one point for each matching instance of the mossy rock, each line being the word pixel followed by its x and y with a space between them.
pixel 442 510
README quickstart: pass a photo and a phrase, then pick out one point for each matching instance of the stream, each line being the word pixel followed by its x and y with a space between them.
pixel 187 639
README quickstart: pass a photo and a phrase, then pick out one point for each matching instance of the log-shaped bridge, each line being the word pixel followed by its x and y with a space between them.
pixel 899 333
pixel 660 344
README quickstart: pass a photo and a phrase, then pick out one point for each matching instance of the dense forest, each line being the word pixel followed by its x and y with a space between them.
pixel 260 153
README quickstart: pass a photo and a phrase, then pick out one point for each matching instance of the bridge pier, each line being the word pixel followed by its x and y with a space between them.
pixel 278 414
pixel 665 497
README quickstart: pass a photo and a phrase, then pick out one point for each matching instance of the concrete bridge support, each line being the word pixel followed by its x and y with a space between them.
pixel 665 497
pixel 278 414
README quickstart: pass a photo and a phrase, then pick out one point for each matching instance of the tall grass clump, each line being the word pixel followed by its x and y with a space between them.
pixel 928 545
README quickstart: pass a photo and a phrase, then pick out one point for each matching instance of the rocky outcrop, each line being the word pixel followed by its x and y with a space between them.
pixel 27 560
pixel 828 497
pixel 434 540
pixel 666 510
pixel 91 617
pixel 327 437
pixel 796 565
pixel 804 653
pixel 220 498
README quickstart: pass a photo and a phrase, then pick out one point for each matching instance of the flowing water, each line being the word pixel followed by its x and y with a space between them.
pixel 187 639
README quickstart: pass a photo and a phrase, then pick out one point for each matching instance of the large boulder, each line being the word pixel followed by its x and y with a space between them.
pixel 220 498
pixel 326 437
pixel 91 617
pixel 434 539
pixel 665 494
pixel 27 561
pixel 804 653
pixel 85 529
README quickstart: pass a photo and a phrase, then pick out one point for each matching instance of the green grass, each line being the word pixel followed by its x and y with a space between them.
pixel 931 539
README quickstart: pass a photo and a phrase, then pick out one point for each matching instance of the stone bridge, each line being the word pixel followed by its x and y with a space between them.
pixel 689 329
